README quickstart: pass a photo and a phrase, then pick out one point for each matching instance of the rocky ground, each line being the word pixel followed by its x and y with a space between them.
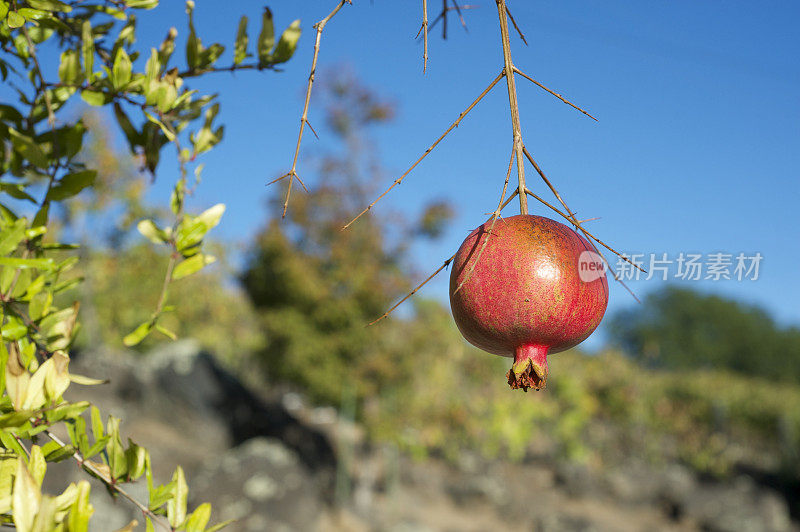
pixel 275 464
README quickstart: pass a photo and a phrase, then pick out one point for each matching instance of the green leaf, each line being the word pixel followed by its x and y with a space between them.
pixel 167 132
pixel 138 334
pixel 15 20
pixel 220 526
pixel 266 38
pixel 141 4
pixel 33 14
pixel 41 264
pixel 176 506
pixel 17 191
pixel 166 332
pixel 37 464
pixel 26 499
pixel 3 9
pixel 86 381
pixel 27 147
pixel 69 70
pixel 121 70
pixel 199 519
pixel 136 457
pixel 81 510
pixel 131 134
pixel 117 461
pixel 71 184
pixel 87 48
pixel 240 48
pixel 287 44
pixel 11 236
pixel 193 264
pixel 194 47
pixel 95 98
pixel 50 5
pixel 151 231
pixel 15 419
pixel 53 452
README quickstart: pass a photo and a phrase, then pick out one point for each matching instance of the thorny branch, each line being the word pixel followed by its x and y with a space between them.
pixel 443 16
pixel 292 174
pixel 513 105
pixel 430 148
pixel 424 30
pixel 557 95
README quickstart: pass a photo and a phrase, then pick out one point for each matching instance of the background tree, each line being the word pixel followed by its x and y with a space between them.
pixel 679 328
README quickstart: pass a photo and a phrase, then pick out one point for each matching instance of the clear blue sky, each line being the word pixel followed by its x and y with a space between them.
pixel 697 148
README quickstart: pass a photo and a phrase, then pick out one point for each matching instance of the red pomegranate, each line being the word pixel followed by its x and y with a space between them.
pixel 538 287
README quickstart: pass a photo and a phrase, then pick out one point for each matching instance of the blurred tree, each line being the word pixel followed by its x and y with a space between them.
pixel 680 328
pixel 315 286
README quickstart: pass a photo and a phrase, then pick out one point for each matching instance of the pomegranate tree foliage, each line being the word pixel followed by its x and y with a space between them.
pixel 53 52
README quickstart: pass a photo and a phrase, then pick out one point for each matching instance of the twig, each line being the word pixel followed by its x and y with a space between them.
pixel 434 274
pixel 110 483
pixel 430 148
pixel 292 174
pixel 514 22
pixel 513 105
pixel 424 31
pixel 571 217
pixel 495 214
pixel 557 95
pixel 443 16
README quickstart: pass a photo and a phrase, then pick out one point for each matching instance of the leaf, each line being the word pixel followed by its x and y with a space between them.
pixel 176 506
pixel 50 5
pixel 240 48
pixel 130 527
pixel 15 20
pixel 131 134
pixel 193 264
pixel 266 38
pixel 71 184
pixel 15 419
pixel 11 236
pixel 87 48
pixel 81 510
pixel 136 457
pixel 41 264
pixel 194 47
pixel 53 452
pixel 37 465
pixel 86 381
pixel 16 191
pixel 121 70
pixel 95 98
pixel 199 519
pixel 117 461
pixel 150 230
pixel 287 44
pixel 27 147
pixel 138 334
pixel 69 70
pixel 167 132
pixel 166 332
pixel 141 4
pixel 26 499
pixel 220 526
pixel 57 379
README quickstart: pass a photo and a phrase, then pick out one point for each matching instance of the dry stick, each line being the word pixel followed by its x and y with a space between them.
pixel 430 148
pixel 110 484
pixel 424 30
pixel 608 266
pixel 557 95
pixel 514 22
pixel 292 174
pixel 434 274
pixel 513 105
pixel 495 214
pixel 571 215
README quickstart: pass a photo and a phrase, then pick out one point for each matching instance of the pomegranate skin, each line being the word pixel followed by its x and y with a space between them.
pixel 525 297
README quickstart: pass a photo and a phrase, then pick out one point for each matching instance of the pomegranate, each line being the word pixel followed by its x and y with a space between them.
pixel 537 288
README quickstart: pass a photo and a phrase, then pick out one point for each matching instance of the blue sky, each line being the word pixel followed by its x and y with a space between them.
pixel 697 148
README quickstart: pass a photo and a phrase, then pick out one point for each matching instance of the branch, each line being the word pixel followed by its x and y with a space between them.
pixel 513 105
pixel 514 22
pixel 110 483
pixel 424 30
pixel 430 148
pixel 557 95
pixel 292 174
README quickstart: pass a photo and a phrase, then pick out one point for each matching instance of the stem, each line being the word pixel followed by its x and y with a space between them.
pixel 110 483
pixel 292 174
pixel 454 125
pixel 513 105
